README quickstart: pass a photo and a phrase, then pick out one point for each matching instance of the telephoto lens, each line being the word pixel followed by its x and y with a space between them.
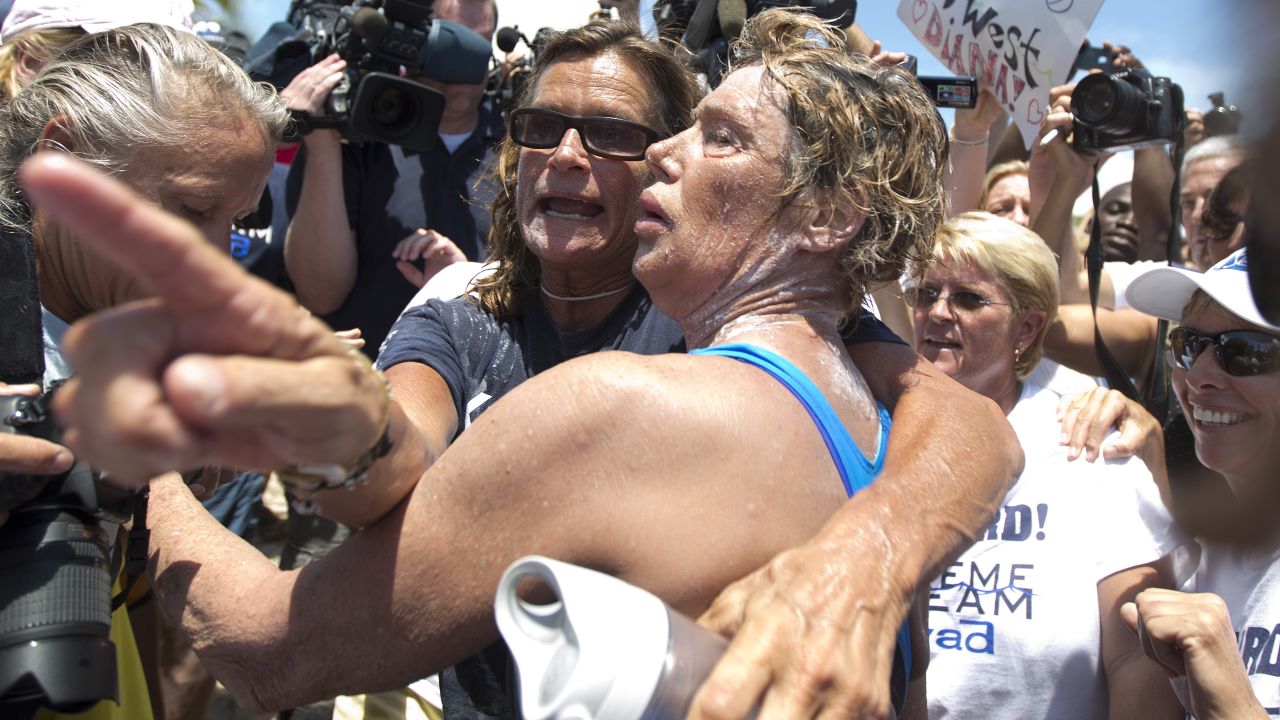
pixel 1109 104
pixel 55 599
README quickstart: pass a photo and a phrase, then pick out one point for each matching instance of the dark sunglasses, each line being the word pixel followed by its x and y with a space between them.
pixel 604 136
pixel 923 297
pixel 1238 352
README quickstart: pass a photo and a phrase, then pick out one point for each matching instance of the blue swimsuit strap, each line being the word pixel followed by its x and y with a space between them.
pixel 840 444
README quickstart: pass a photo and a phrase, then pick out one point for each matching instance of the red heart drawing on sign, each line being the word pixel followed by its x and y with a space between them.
pixel 1034 112
pixel 919 10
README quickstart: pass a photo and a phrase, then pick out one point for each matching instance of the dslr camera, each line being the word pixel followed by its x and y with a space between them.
pixel 378 38
pixel 1126 110
pixel 55 558
pixel 1223 119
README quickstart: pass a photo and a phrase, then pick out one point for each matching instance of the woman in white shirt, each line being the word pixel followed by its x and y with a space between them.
pixel 1026 623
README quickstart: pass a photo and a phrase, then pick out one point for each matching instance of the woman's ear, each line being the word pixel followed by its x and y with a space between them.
pixel 1028 327
pixel 26 65
pixel 56 135
pixel 829 227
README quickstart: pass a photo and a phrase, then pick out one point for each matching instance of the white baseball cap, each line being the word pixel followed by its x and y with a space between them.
pixel 1164 291
pixel 94 15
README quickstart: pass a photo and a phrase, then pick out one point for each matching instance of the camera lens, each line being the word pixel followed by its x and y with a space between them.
pixel 1110 104
pixel 55 611
pixel 391 110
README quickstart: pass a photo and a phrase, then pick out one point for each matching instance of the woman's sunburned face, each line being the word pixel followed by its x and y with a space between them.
pixel 1233 418
pixel 1010 198
pixel 712 217
pixel 575 207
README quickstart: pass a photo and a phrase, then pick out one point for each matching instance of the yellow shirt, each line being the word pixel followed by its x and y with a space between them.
pixel 135 703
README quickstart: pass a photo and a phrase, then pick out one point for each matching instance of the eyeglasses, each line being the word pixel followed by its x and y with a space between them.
pixel 607 137
pixel 1239 352
pixel 923 297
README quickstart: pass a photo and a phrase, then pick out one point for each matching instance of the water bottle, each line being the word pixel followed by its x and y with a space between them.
pixel 603 650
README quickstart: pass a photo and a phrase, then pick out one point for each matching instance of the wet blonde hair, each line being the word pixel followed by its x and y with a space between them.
pixel 1015 258
pixel 868 139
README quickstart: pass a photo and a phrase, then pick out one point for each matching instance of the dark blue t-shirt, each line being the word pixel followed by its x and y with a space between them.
pixel 481 359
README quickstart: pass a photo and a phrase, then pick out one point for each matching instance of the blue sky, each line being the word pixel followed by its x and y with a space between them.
pixel 1197 43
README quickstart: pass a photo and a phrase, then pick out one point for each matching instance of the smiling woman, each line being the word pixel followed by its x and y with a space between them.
pixel 1226 375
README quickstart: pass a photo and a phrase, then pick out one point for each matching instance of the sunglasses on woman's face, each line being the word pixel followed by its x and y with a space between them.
pixel 607 137
pixel 923 297
pixel 1239 352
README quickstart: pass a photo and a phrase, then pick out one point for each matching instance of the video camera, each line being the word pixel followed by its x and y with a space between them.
pixel 55 557
pixel 1126 110
pixel 378 38
pixel 710 25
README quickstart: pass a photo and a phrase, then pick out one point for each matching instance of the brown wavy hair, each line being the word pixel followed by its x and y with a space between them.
pixel 504 293
pixel 869 139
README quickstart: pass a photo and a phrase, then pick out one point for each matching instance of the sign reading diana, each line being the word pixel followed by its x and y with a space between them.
pixel 1021 47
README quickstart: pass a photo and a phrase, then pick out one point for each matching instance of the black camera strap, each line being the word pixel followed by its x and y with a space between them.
pixel 1116 376
pixel 1156 390
pixel 137 547
pixel 21 325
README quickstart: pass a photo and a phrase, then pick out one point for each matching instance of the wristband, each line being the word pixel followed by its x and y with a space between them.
pixel 314 478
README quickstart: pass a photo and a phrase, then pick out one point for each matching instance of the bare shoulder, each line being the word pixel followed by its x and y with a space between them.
pixel 657 394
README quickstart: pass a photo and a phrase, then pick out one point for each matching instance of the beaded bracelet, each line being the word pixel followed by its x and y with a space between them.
pixel 313 478
pixel 971 143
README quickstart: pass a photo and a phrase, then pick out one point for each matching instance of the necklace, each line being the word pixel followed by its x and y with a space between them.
pixel 597 296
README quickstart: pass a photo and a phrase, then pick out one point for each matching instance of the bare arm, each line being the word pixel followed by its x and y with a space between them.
pixel 413 593
pixel 320 247
pixel 970 139
pixel 831 607
pixel 1152 185
pixel 423 422
pixel 1130 336
pixel 1136 686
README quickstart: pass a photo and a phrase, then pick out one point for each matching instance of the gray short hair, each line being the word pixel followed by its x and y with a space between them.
pixel 1214 148
pixel 125 90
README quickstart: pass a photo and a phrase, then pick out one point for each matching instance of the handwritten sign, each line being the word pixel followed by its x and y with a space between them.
pixel 1023 47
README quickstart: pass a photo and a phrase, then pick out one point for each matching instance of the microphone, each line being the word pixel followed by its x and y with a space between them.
pixel 369 24
pixel 509 37
pixel 732 14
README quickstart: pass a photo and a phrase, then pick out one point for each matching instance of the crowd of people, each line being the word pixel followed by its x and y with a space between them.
pixel 632 322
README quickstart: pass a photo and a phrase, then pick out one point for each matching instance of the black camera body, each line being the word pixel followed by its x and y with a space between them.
pixel 378 38
pixel 1222 119
pixel 1125 111
pixel 55 558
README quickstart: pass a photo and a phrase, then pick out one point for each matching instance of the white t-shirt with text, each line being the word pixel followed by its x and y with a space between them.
pixel 1013 623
